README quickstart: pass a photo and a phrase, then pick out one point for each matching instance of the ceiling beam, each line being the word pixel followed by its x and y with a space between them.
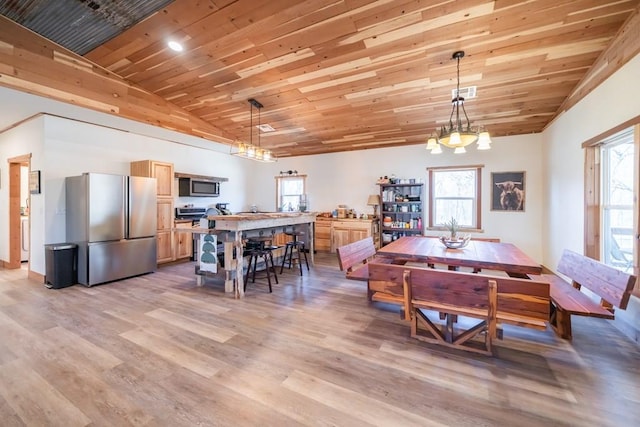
pixel 33 64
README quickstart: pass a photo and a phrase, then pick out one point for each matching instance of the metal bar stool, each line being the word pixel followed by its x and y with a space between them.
pixel 299 248
pixel 260 247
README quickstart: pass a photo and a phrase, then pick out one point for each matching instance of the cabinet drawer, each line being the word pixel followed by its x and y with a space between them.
pixel 322 244
pixel 323 233
pixel 351 225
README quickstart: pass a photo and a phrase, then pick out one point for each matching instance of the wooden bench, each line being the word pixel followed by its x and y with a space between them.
pixel 354 259
pixel 520 302
pixel 452 294
pixel 611 285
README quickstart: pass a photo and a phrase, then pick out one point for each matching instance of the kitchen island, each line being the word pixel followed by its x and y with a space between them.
pixel 232 229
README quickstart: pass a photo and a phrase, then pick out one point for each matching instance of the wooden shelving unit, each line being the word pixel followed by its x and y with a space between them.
pixel 402 211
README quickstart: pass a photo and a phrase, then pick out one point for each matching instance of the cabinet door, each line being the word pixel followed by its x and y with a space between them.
pixel 359 234
pixel 183 241
pixel 184 244
pixel 163 173
pixel 165 246
pixel 339 237
pixel 165 214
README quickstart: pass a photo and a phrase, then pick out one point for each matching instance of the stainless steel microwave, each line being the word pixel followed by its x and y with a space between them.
pixel 197 187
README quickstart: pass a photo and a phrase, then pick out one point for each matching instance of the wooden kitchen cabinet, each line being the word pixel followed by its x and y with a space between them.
pixel 164 241
pixel 165 214
pixel 331 233
pixel 322 234
pixel 348 231
pixel 339 237
pixel 164 233
pixel 183 241
pixel 163 173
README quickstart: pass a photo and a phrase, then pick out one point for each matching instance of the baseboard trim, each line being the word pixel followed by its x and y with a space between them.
pixel 35 276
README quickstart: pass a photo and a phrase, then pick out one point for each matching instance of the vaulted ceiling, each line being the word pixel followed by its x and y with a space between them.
pixel 336 75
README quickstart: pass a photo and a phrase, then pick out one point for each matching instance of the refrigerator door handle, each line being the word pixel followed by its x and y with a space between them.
pixel 127 206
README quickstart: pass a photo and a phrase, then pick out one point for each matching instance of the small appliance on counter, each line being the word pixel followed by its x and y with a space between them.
pixel 209 223
pixel 222 207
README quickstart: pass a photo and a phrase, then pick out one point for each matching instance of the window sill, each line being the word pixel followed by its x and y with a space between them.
pixel 460 230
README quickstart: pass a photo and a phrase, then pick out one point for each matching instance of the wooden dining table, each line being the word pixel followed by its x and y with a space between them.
pixel 478 255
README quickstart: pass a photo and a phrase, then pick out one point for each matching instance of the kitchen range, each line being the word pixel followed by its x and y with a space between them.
pixel 190 213
pixel 197 216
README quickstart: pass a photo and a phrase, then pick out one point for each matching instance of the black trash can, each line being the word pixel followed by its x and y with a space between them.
pixel 61 264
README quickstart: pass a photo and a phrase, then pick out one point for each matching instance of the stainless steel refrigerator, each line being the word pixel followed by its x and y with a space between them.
pixel 112 219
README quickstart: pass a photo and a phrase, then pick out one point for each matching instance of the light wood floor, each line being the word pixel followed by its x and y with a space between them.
pixel 158 351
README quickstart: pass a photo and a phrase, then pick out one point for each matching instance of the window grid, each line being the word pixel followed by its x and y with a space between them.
pixel 290 193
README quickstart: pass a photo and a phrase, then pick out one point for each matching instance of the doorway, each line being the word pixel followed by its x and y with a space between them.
pixel 19 213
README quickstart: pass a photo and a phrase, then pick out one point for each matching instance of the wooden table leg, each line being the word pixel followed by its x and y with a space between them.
pixel 311 246
pixel 449 328
pixel 228 266
pixel 239 282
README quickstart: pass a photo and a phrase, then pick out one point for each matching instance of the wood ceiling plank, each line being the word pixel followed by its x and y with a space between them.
pixel 325 69
pixel 428 24
pixel 625 46
pixel 622 8
pixel 159 25
pixel 79 82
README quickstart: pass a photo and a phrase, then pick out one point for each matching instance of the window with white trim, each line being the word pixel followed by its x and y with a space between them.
pixel 291 193
pixel 454 192
pixel 618 162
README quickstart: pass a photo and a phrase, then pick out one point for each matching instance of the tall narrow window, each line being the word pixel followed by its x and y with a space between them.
pixel 455 193
pixel 618 162
pixel 290 193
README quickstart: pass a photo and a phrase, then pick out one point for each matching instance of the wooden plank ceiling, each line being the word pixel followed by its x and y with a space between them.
pixel 337 75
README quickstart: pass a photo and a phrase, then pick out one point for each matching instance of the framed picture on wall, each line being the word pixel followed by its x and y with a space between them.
pixel 508 191
pixel 34 182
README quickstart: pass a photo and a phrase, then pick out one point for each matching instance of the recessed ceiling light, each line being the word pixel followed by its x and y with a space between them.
pixel 173 45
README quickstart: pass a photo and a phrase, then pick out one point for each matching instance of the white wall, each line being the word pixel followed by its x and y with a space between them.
pixel 614 102
pixel 349 177
pixel 15 142
pixel 610 104
pixel 63 147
